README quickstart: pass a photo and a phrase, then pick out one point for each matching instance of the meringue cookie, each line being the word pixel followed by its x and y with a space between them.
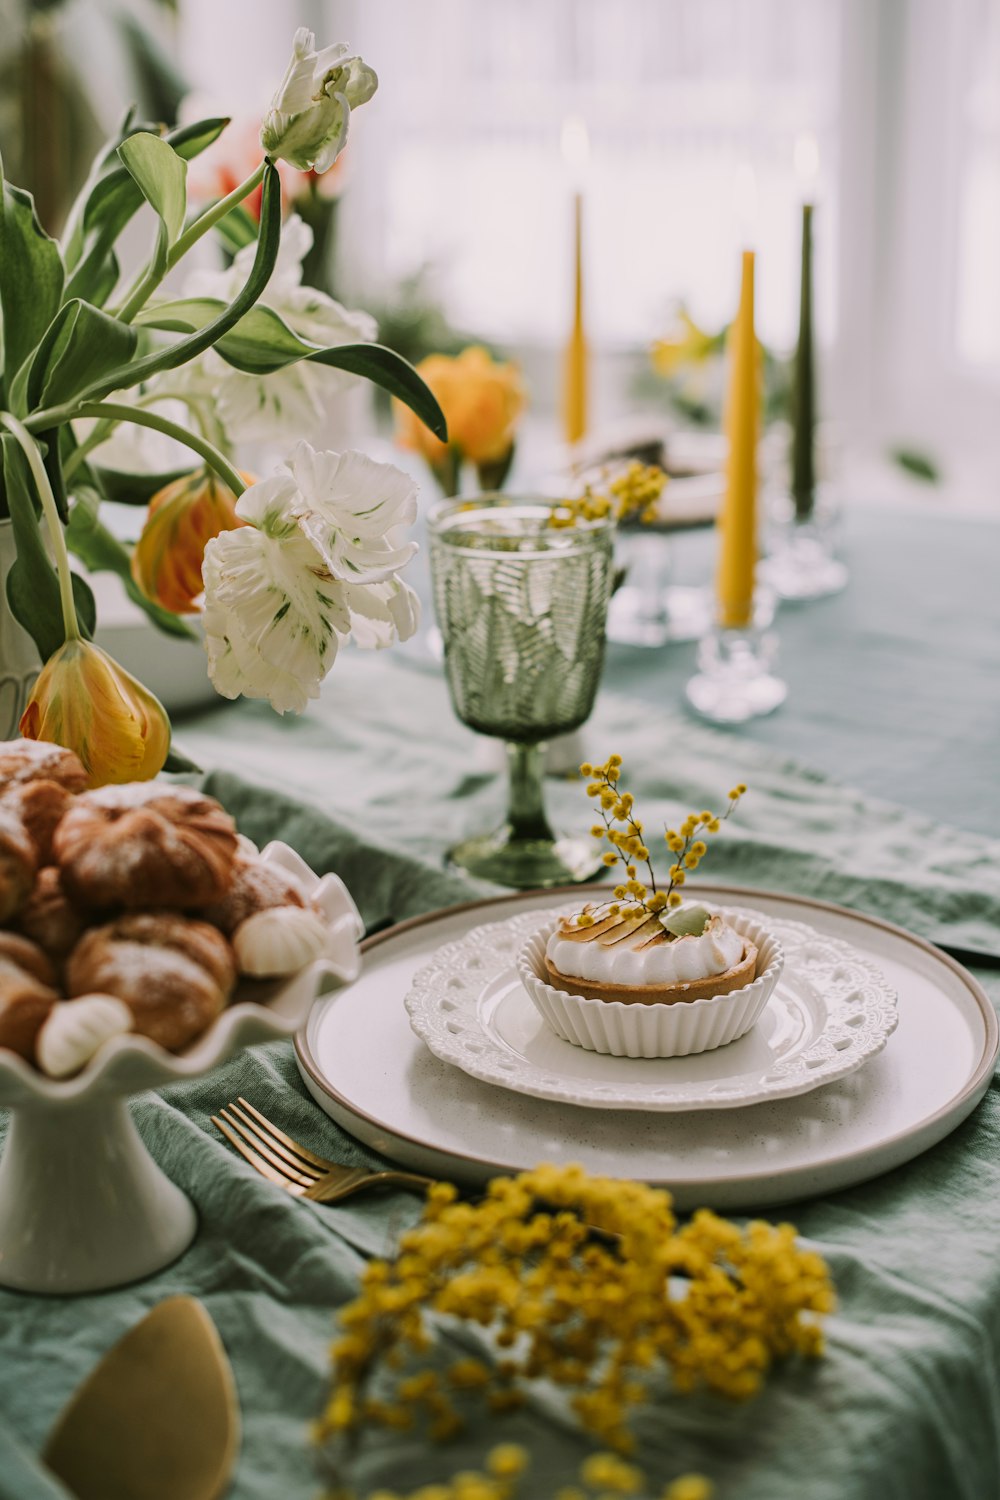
pixel 75 1030
pixel 279 941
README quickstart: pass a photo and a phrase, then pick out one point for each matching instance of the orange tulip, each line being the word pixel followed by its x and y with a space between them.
pixel 84 700
pixel 482 400
pixel 182 518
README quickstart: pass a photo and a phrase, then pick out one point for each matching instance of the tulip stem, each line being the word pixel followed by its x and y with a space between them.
pixel 93 440
pixel 28 446
pixel 152 277
pixel 115 412
pixel 212 215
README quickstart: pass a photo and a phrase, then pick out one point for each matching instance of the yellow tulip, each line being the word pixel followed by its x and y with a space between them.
pixel 85 701
pixel 482 401
pixel 182 518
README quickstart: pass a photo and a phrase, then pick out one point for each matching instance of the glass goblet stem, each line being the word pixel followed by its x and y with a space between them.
pixel 526 793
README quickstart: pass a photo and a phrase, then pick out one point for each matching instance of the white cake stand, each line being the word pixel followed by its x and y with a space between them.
pixel 83 1205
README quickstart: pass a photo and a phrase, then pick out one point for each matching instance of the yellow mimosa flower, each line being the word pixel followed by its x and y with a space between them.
pixel 85 701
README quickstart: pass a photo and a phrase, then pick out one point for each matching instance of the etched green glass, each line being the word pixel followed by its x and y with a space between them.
pixel 522 606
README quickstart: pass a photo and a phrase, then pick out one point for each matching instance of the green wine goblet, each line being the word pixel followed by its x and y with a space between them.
pixel 522 606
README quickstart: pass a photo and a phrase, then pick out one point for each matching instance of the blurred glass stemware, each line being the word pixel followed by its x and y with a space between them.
pixel 522 606
pixel 647 609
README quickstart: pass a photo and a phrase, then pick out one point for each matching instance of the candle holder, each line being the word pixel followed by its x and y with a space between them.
pixel 734 681
pixel 802 562
pixel 647 609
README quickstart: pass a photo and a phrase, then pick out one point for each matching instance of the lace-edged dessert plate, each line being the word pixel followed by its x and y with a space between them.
pixel 364 1066
pixel 831 1010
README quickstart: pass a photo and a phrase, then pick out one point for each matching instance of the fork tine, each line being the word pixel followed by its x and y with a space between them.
pixel 286 1140
pixel 262 1149
pixel 252 1157
pixel 273 1147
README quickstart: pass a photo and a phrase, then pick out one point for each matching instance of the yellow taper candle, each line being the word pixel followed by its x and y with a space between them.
pixel 738 517
pixel 575 370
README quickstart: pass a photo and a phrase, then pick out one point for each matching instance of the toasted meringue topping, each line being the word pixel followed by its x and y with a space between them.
pixel 635 950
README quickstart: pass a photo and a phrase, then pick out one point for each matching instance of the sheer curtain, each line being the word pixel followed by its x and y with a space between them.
pixel 679 98
pixel 457 165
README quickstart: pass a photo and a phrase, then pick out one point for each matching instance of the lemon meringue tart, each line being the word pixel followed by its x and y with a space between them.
pixel 634 959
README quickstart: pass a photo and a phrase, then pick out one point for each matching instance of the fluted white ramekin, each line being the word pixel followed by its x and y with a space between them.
pixel 675 1030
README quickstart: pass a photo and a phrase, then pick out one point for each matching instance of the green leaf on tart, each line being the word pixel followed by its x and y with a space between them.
pixel 686 921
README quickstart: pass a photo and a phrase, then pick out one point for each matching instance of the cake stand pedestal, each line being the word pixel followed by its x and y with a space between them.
pixel 83 1205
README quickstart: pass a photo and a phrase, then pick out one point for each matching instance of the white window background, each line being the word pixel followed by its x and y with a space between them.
pixel 457 163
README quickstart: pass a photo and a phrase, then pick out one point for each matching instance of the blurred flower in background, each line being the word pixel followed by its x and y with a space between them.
pixel 483 400
pixel 313 196
pixel 688 366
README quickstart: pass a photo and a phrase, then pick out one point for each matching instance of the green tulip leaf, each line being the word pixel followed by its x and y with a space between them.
pixel 179 763
pixel 134 489
pixel 204 338
pixel 81 344
pixel 262 342
pixel 31 282
pixel 32 585
pixel 110 196
pixel 108 201
pixel 101 552
pixel 686 921
pixel 237 230
pixel 161 176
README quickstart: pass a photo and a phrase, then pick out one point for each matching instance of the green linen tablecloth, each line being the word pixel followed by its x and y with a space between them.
pixel 893 682
pixel 373 783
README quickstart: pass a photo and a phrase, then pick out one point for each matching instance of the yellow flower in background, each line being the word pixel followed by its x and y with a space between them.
pixel 85 701
pixel 182 518
pixel 689 345
pixel 482 400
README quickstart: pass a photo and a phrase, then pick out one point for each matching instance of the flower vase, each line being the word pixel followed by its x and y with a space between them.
pixel 19 660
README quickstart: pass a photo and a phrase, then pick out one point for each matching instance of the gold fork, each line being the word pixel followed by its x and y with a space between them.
pixel 295 1168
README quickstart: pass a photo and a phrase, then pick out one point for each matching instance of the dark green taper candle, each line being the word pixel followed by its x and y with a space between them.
pixel 804 387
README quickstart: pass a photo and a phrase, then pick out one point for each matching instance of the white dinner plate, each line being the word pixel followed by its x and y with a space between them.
pixel 364 1066
pixel 830 1011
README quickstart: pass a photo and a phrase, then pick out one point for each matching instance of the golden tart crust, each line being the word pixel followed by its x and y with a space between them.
pixel 660 994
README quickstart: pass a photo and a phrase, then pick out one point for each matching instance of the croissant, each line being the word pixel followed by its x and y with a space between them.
pixel 38 760
pixel 145 845
pixel 18 862
pixel 26 993
pixel 256 886
pixel 40 807
pixel 49 918
pixel 175 974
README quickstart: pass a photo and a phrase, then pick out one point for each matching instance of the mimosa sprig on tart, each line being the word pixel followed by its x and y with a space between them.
pixel 645 945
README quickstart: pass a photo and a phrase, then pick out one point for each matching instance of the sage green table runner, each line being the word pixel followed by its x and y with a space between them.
pixel 373 783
